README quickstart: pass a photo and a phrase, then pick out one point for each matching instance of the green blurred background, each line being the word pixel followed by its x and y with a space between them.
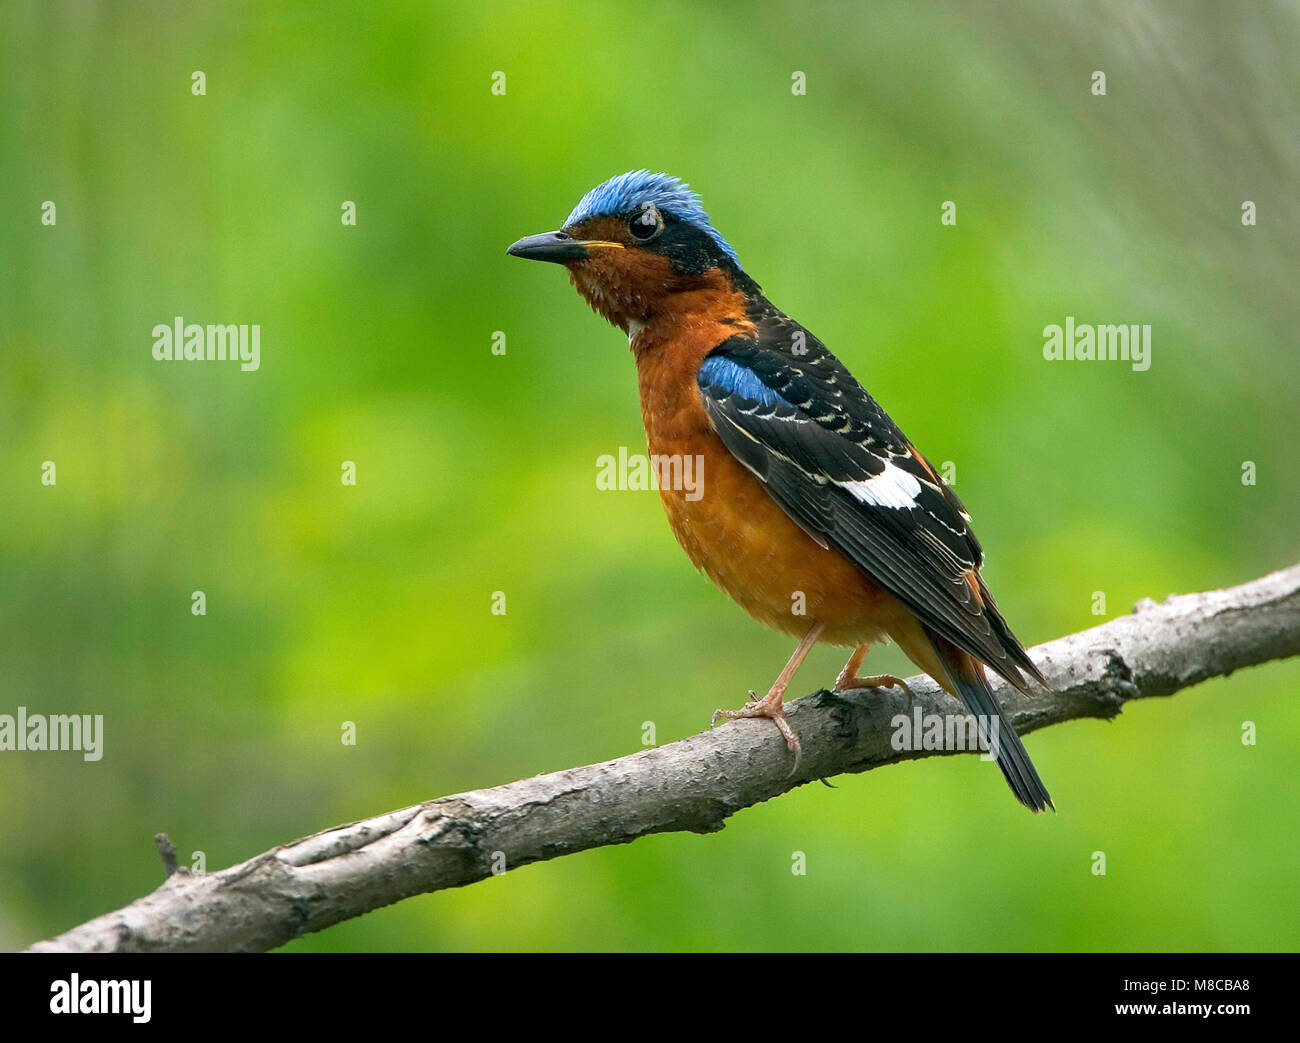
pixel 476 472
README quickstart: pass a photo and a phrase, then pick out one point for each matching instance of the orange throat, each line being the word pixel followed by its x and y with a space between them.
pixel 639 292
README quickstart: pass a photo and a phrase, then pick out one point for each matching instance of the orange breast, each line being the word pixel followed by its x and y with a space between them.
pixel 729 525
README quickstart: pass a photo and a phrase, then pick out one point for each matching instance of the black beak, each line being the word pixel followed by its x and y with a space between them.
pixel 549 246
pixel 555 246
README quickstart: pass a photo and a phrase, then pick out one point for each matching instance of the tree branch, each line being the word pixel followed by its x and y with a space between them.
pixel 693 784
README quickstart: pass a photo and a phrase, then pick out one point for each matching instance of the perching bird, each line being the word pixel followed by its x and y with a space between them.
pixel 812 498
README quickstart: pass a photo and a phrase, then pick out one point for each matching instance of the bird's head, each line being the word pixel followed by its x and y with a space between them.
pixel 638 247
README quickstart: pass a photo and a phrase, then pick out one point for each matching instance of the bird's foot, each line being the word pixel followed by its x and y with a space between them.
pixel 846 682
pixel 772 707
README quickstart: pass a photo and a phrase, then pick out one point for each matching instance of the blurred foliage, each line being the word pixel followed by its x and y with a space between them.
pixel 476 472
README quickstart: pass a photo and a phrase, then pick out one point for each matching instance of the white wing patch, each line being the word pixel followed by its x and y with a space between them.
pixel 892 487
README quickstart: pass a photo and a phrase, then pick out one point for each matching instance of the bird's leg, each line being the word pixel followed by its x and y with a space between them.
pixel 849 679
pixel 772 705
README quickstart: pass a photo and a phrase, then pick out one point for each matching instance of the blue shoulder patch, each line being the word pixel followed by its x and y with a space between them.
pixel 628 192
pixel 733 378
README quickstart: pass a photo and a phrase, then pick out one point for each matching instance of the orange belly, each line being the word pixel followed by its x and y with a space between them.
pixel 741 538
pixel 734 531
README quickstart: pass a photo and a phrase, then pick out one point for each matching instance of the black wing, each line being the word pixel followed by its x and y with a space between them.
pixel 838 465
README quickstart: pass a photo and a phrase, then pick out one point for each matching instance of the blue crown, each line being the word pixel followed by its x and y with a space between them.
pixel 628 192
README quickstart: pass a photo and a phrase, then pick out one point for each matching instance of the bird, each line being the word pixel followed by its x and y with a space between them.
pixel 815 513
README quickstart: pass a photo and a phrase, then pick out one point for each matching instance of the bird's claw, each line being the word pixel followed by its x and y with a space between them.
pixel 876 681
pixel 774 710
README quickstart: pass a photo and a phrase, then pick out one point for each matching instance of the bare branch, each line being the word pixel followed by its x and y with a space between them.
pixel 167 852
pixel 693 784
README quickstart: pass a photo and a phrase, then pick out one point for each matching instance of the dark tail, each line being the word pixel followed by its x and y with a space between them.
pixel 972 687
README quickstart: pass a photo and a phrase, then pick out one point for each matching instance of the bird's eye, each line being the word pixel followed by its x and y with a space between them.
pixel 646 225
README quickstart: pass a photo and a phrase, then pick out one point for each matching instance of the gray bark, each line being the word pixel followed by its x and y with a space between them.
pixel 693 784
